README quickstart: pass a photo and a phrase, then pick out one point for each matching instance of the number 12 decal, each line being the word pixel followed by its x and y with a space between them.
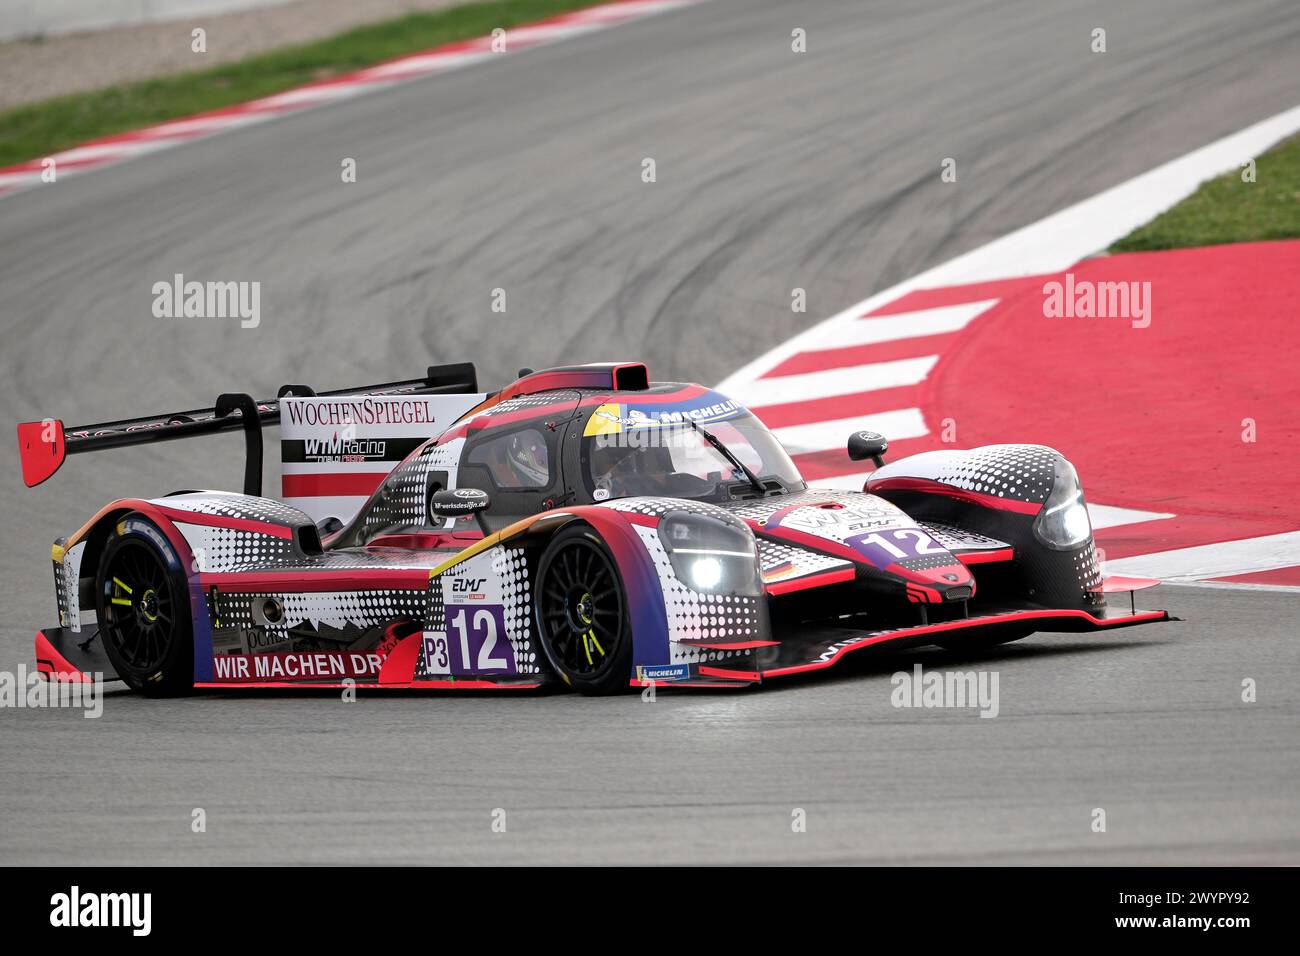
pixel 906 543
pixel 475 642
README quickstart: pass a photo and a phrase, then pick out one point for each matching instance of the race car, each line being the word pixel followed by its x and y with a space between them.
pixel 580 528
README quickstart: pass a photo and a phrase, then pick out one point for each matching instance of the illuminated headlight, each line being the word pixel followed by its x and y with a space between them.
pixel 711 554
pixel 1063 524
pixel 706 573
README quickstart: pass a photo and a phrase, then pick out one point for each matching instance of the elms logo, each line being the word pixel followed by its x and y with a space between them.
pixel 76 909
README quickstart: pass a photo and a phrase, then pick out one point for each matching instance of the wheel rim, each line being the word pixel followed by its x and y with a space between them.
pixel 582 609
pixel 139 607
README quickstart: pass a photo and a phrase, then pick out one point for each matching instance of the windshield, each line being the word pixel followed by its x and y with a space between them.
pixel 662 451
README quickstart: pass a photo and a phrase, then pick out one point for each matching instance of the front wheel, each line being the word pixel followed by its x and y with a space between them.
pixel 144 610
pixel 582 614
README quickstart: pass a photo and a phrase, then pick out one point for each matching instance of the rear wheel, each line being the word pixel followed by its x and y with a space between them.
pixel 582 614
pixel 144 611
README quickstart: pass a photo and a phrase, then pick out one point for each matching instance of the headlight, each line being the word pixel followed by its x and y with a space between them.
pixel 711 554
pixel 1063 524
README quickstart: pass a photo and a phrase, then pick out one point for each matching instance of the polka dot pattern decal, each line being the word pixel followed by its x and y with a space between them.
pixel 693 615
pixel 783 562
pixel 510 567
pixel 402 500
pixel 341 610
pixel 1019 472
pixel 241 507
pixel 539 401
pixel 1015 472
pixel 958 539
pixel 61 592
pixel 230 549
pixel 1087 571
pixel 928 562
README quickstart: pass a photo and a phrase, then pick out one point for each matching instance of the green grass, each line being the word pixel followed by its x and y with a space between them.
pixel 1226 209
pixel 39 129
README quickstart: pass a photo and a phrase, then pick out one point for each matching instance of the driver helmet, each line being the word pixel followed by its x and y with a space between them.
pixel 528 459
pixel 693 455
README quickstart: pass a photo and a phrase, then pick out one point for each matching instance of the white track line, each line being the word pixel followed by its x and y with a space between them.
pixel 1267 553
pixel 1109 516
pixel 833 382
pixel 904 325
pixel 1235 586
pixel 852 482
pixel 826 436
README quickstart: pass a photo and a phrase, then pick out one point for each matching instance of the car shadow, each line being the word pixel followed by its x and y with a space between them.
pixel 867 662
pixel 870 662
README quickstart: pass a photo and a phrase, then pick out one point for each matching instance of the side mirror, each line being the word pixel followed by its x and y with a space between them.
pixel 458 502
pixel 864 445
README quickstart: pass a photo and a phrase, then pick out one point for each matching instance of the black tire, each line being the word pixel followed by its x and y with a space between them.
pixel 581 612
pixel 143 603
pixel 980 642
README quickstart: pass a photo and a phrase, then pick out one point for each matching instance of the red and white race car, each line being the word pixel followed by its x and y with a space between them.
pixel 582 526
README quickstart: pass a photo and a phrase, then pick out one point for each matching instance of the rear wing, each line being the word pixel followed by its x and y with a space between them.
pixel 43 445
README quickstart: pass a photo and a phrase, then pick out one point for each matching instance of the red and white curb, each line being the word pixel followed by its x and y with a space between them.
pixel 871 366
pixel 116 149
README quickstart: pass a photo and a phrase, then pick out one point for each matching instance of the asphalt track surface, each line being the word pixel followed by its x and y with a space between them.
pixel 775 170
